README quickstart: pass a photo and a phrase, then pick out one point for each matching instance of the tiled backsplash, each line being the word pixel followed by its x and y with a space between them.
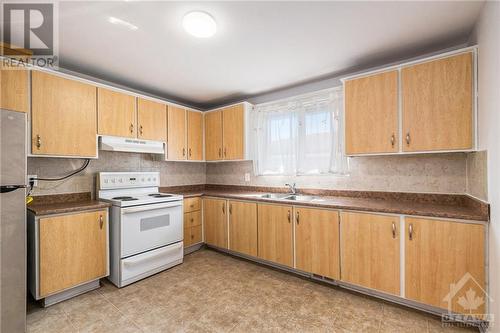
pixel 436 173
pixel 171 173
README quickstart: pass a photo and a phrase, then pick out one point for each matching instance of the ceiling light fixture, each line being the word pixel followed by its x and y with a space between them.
pixel 118 21
pixel 199 24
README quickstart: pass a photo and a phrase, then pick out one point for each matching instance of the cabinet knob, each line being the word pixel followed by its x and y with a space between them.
pixel 131 128
pixel 393 230
pixel 408 139
pixel 410 231
pixel 189 152
pixel 38 141
pixel 140 130
pixel 393 140
pixel 297 217
pixel 192 220
pixel 183 151
pixel 101 222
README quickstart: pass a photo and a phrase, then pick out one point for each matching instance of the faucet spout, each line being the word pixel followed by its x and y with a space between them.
pixel 293 188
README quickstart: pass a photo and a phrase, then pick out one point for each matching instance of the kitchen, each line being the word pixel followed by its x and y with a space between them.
pixel 326 187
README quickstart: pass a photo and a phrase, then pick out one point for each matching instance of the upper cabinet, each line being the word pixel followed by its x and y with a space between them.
pixel 185 135
pixel 195 135
pixel 225 134
pixel 151 120
pixel 432 102
pixel 63 115
pixel 371 107
pixel 116 113
pixel 14 90
pixel 437 104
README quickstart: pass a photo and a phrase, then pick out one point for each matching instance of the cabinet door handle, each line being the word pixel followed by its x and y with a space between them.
pixel 223 209
pixel 220 152
pixel 288 217
pixel 38 141
pixel 297 217
pixel 393 230
pixel 225 151
pixel 183 151
pixel 230 208
pixel 140 130
pixel 408 138
pixel 410 231
pixel 393 140
pixel 189 152
pixel 101 222
pixel 131 128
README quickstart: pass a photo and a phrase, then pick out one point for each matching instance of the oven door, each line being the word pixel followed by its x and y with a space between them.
pixel 150 226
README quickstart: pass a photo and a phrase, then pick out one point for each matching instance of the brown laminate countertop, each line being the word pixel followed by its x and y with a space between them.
pixel 419 204
pixel 64 203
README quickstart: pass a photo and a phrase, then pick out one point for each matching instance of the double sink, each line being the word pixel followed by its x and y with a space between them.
pixel 287 197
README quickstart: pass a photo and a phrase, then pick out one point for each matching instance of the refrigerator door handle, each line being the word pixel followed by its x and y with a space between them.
pixel 10 188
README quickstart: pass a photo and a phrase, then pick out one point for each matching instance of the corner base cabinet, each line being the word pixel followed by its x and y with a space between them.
pixel 66 251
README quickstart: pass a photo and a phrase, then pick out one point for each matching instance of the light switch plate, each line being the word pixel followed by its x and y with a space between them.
pixel 35 182
pixel 247 177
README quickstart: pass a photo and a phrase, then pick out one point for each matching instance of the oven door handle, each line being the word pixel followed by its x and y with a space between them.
pixel 135 261
pixel 151 207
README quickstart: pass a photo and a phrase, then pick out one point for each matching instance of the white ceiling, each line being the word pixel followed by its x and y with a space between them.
pixel 259 46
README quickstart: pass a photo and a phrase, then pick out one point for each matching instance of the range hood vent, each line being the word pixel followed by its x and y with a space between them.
pixel 113 143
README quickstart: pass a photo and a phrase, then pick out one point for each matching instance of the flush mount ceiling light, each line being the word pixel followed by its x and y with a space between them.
pixel 199 24
pixel 123 23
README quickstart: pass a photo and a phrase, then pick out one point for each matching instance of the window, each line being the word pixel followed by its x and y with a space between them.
pixel 299 136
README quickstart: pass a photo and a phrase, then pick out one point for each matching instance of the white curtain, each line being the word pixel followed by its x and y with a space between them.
pixel 299 136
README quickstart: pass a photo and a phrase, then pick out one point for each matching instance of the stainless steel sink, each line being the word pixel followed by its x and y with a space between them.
pixel 274 195
pixel 298 197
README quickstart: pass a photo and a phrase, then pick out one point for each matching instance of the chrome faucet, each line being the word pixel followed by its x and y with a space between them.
pixel 292 187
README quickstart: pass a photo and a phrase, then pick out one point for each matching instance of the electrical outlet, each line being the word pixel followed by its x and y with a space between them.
pixel 35 182
pixel 247 177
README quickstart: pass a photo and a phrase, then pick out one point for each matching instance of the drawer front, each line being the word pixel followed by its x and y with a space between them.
pixel 192 204
pixel 141 265
pixel 196 234
pixel 192 219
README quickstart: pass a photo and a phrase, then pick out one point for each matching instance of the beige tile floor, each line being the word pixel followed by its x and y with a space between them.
pixel 214 292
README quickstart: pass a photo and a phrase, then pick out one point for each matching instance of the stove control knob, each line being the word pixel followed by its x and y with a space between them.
pixel 105 181
pixel 120 180
pixel 113 180
pixel 149 179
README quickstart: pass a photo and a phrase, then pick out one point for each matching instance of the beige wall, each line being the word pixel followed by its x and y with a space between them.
pixel 477 175
pixel 437 173
pixel 171 173
pixel 487 36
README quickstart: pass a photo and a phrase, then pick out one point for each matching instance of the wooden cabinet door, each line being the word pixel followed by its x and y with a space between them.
pixel 443 257
pixel 371 114
pixel 152 120
pixel 215 222
pixel 243 227
pixel 317 242
pixel 275 233
pixel 64 116
pixel 195 135
pixel 14 90
pixel 437 104
pixel 187 236
pixel 176 142
pixel 73 250
pixel 213 136
pixel 370 251
pixel 233 132
pixel 116 113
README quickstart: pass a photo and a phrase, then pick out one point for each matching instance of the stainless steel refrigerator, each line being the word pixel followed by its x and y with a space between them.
pixel 12 221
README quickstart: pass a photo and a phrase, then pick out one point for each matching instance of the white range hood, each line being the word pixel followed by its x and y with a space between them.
pixel 114 143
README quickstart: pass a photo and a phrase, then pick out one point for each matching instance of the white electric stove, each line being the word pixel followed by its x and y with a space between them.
pixel 146 226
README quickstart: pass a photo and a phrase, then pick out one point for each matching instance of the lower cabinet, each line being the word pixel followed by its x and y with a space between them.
pixel 445 264
pixel 193 230
pixel 72 250
pixel 215 222
pixel 243 227
pixel 317 241
pixel 370 250
pixel 275 233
